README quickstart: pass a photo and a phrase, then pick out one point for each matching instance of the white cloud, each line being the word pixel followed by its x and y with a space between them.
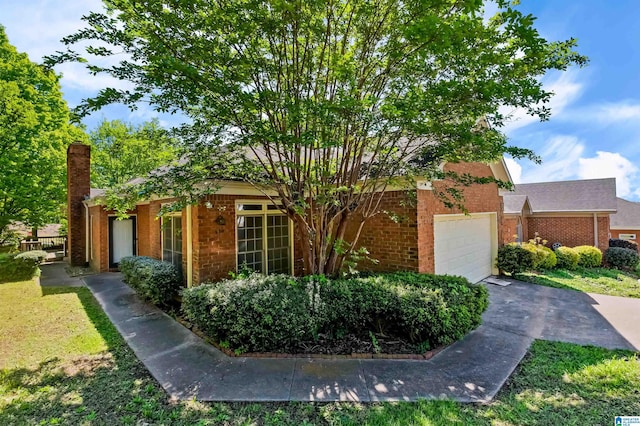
pixel 610 164
pixel 515 169
pixel 559 160
pixel 566 89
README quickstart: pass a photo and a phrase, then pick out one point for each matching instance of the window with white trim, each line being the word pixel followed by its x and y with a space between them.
pixel 263 236
pixel 172 240
pixel 627 236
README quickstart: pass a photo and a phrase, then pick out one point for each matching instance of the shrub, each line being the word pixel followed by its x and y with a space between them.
pixel 621 258
pixel 616 242
pixel 549 259
pixel 154 280
pixel 543 257
pixel 22 266
pixel 567 258
pixel 513 259
pixel 255 313
pixel 278 312
pixel 589 256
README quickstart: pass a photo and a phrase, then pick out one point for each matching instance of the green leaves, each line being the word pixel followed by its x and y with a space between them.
pixel 332 101
pixel 34 134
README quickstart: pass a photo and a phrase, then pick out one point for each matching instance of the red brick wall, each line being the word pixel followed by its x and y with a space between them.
pixel 393 245
pixel 214 251
pixel 478 199
pixel 78 188
pixel 144 222
pixel 153 233
pixel 570 231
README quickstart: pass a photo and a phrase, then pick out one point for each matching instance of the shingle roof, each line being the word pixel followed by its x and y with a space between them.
pixel 589 195
pixel 628 215
pixel 513 204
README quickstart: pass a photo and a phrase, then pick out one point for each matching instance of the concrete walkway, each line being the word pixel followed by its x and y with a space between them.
pixel 471 370
pixel 54 275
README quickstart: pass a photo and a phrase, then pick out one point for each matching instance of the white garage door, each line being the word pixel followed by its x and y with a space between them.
pixel 462 246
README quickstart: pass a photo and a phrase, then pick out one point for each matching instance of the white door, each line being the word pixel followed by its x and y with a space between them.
pixel 463 245
pixel 122 234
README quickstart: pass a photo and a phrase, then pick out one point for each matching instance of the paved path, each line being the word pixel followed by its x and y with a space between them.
pixel 54 275
pixel 471 370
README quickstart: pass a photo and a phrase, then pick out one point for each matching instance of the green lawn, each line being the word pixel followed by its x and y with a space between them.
pixel 590 280
pixel 66 364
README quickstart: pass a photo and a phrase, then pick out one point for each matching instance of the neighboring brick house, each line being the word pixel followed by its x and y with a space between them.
pixel 569 212
pixel 239 225
pixel 625 224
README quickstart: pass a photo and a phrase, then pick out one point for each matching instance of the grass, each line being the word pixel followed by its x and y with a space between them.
pixel 591 280
pixel 68 365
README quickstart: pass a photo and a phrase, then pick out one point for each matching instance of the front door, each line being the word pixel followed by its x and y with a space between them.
pixel 122 239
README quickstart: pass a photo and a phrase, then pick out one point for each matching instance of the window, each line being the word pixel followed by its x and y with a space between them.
pixel 172 240
pixel 263 237
pixel 627 236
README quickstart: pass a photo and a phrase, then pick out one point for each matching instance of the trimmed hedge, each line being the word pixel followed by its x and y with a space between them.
pixel 621 258
pixel 616 242
pixel 567 258
pixel 21 266
pixel 543 257
pixel 589 256
pixel 154 280
pixel 278 312
pixel 514 259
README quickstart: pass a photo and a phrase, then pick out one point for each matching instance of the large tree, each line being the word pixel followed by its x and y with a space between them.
pixel 34 133
pixel 327 103
pixel 122 151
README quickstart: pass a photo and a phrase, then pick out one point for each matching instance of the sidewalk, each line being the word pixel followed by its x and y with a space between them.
pixel 471 370
pixel 54 275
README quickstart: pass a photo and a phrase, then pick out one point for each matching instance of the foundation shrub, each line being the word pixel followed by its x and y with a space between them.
pixel 616 242
pixel 276 313
pixel 513 259
pixel 621 258
pixel 567 258
pixel 589 256
pixel 156 281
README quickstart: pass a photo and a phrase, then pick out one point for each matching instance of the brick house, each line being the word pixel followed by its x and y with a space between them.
pixel 625 223
pixel 239 225
pixel 569 212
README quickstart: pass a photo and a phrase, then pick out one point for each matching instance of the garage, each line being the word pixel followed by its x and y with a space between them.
pixel 465 245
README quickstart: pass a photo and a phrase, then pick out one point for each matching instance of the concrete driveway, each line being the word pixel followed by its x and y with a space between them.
pixel 565 315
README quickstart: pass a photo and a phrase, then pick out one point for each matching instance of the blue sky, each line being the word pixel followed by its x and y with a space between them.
pixel 594 130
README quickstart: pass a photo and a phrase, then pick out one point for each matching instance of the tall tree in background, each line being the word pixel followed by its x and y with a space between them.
pixel 34 134
pixel 328 103
pixel 121 151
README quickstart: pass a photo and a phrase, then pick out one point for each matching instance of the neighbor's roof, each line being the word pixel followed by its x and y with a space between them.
pixel 513 204
pixel 628 215
pixel 589 195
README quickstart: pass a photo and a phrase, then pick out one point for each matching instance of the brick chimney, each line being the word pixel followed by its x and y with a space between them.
pixel 78 189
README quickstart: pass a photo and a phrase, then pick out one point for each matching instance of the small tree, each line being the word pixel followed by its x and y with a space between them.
pixel 327 103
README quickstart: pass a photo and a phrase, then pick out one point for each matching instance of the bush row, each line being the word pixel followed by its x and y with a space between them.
pixel 21 266
pixel 278 312
pixel 514 258
pixel 154 280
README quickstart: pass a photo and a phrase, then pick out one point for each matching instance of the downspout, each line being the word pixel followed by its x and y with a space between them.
pixel 86 235
pixel 189 248
pixel 595 229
